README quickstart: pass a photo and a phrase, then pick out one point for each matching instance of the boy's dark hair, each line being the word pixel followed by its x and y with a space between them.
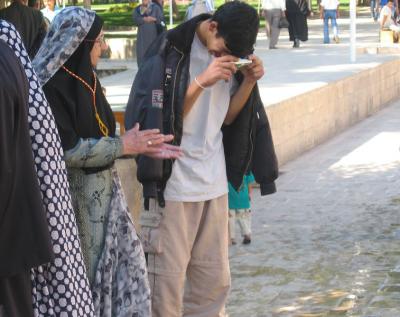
pixel 238 25
pixel 32 3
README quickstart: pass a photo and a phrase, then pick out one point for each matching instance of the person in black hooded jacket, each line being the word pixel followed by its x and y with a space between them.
pixel 186 87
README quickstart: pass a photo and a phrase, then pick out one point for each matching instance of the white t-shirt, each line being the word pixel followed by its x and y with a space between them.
pixel 200 174
pixel 49 14
pixel 386 11
pixel 330 4
pixel 274 4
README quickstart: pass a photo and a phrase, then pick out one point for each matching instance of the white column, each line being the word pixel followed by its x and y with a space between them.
pixel 353 31
pixel 170 14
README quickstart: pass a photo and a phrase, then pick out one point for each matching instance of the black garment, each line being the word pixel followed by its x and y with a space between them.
pixel 72 102
pixel 156 101
pixel 16 295
pixel 29 23
pixel 24 236
pixel 296 13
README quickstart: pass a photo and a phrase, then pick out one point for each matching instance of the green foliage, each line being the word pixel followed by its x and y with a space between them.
pixel 122 8
pixel 113 19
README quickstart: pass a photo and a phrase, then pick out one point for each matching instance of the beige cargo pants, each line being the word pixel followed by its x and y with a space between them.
pixel 188 261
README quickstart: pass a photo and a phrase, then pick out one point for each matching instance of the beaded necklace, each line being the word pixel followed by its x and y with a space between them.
pixel 103 128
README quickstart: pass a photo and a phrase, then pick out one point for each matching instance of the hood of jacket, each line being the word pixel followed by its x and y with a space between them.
pixel 182 36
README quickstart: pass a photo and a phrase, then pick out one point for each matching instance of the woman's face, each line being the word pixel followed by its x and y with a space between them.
pixel 145 2
pixel 99 46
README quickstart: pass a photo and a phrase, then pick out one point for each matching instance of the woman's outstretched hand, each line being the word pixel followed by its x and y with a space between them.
pixel 149 142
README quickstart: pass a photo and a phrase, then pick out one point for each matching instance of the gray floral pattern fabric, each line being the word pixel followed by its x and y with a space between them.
pixel 121 286
pixel 91 193
pixel 60 288
pixel 112 251
pixel 66 32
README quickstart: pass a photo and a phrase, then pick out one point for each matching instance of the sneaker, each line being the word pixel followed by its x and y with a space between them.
pixel 336 39
pixel 246 239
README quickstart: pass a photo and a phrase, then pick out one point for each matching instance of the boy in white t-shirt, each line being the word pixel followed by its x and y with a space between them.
pixel 187 86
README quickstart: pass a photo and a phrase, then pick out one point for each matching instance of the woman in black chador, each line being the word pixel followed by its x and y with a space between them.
pixel 296 13
pixel 59 287
pixel 24 236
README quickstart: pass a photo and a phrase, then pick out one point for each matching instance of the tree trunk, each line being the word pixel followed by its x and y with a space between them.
pixel 175 9
pixel 87 4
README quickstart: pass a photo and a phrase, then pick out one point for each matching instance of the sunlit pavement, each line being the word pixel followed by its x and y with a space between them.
pixel 328 242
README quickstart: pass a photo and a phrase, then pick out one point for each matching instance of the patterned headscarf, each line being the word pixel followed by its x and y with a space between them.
pixel 60 288
pixel 66 33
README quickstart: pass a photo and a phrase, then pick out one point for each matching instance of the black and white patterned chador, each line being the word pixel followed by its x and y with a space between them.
pixel 60 288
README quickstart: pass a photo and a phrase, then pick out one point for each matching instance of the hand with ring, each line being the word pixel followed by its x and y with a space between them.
pixel 149 142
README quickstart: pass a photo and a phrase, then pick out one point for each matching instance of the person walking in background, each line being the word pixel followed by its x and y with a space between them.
pixel 273 11
pixel 239 209
pixel 374 4
pixel 149 18
pixel 29 23
pixel 296 13
pixel 329 10
pixel 112 252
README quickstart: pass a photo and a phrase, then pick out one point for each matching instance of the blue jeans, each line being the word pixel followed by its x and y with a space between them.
pixel 330 14
pixel 374 10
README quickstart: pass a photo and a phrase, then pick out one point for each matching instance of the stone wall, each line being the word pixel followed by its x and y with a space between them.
pixel 300 123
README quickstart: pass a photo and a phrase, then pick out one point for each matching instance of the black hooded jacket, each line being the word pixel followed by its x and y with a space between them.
pixel 156 101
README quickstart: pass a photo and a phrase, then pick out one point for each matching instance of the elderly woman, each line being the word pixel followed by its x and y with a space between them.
pixel 149 18
pixel 112 252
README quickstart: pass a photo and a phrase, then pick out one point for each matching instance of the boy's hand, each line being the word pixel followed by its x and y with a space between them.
pixel 221 68
pixel 253 71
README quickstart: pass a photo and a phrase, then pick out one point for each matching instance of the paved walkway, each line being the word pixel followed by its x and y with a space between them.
pixel 328 242
pixel 289 72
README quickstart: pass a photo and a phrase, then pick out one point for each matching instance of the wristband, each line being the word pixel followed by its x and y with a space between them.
pixel 198 84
